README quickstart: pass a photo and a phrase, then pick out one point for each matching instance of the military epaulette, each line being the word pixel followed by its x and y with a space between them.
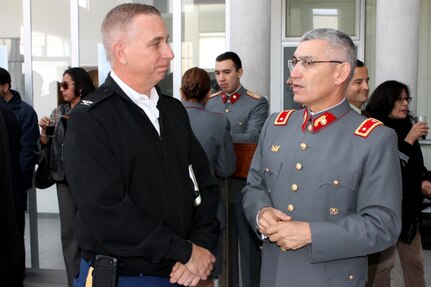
pixel 215 94
pixel 367 126
pixel 253 95
pixel 96 97
pixel 283 117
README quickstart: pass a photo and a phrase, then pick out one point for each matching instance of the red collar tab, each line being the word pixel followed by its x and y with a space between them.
pixel 367 127
pixel 283 117
pixel 224 98
pixel 323 121
pixel 232 99
pixel 305 118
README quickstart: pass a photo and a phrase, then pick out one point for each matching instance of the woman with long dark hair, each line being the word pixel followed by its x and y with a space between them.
pixel 389 103
pixel 76 84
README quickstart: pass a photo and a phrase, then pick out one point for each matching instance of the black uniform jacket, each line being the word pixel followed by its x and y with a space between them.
pixel 132 186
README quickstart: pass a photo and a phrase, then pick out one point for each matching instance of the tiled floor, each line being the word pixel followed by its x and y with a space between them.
pixel 52 274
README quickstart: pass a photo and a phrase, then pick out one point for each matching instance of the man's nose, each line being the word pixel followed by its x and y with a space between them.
pixel 168 53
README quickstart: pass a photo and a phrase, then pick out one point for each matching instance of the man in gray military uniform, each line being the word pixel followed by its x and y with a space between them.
pixel 357 95
pixel 247 112
pixel 324 187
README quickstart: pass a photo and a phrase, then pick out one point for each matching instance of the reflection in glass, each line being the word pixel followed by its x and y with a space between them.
pixel 203 35
pixel 288 102
pixel 11 57
pixel 50 51
pixel 91 15
pixel 302 16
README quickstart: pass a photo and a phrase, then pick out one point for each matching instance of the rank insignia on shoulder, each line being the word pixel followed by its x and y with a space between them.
pixel 215 94
pixel 253 95
pixel 86 103
pixel 367 126
pixel 283 117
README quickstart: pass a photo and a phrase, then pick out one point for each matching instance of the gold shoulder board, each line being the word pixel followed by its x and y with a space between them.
pixel 283 117
pixel 253 95
pixel 215 94
pixel 367 126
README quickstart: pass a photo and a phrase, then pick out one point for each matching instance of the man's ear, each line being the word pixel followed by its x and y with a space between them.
pixel 5 87
pixel 240 71
pixel 341 73
pixel 119 53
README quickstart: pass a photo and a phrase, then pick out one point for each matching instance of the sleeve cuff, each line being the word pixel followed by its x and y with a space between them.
pixel 180 250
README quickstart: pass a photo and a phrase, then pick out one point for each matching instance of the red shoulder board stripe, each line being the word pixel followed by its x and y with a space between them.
pixel 367 127
pixel 283 117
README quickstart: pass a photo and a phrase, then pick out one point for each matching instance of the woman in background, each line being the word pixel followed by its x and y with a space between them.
pixel 389 104
pixel 213 132
pixel 76 84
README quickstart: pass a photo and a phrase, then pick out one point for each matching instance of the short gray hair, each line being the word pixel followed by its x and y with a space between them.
pixel 339 42
pixel 118 19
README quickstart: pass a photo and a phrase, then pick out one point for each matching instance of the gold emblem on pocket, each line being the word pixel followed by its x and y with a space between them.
pixel 275 148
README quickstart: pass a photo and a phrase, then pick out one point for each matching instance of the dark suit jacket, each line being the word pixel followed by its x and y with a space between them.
pixel 132 185
pixel 10 240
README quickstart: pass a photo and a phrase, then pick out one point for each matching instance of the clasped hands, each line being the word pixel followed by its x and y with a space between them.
pixel 282 230
pixel 197 268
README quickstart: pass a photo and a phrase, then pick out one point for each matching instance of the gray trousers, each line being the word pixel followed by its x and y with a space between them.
pixel 71 251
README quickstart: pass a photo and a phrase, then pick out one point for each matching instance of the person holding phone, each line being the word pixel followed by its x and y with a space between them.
pixel 76 84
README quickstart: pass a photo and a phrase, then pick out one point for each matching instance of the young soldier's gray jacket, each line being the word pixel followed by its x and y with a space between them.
pixel 246 112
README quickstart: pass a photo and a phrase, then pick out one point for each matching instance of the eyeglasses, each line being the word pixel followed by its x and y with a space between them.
pixel 408 99
pixel 65 85
pixel 306 63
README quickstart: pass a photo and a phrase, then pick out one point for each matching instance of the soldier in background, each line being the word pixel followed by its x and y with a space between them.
pixel 358 89
pixel 247 112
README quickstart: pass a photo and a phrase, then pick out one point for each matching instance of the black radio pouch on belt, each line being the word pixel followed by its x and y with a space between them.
pixel 105 271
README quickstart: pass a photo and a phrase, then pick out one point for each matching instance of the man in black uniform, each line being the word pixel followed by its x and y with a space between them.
pixel 130 156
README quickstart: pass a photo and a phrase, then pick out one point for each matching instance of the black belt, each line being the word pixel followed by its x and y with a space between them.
pixel 122 270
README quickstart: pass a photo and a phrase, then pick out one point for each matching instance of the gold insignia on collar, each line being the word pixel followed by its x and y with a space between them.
pixel 321 120
pixel 275 148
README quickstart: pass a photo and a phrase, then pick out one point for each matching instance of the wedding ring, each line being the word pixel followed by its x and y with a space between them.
pixel 283 249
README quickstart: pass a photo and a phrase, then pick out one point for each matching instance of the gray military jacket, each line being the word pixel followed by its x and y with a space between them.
pixel 338 171
pixel 246 112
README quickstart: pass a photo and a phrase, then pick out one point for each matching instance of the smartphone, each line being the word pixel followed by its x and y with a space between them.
pixel 105 271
